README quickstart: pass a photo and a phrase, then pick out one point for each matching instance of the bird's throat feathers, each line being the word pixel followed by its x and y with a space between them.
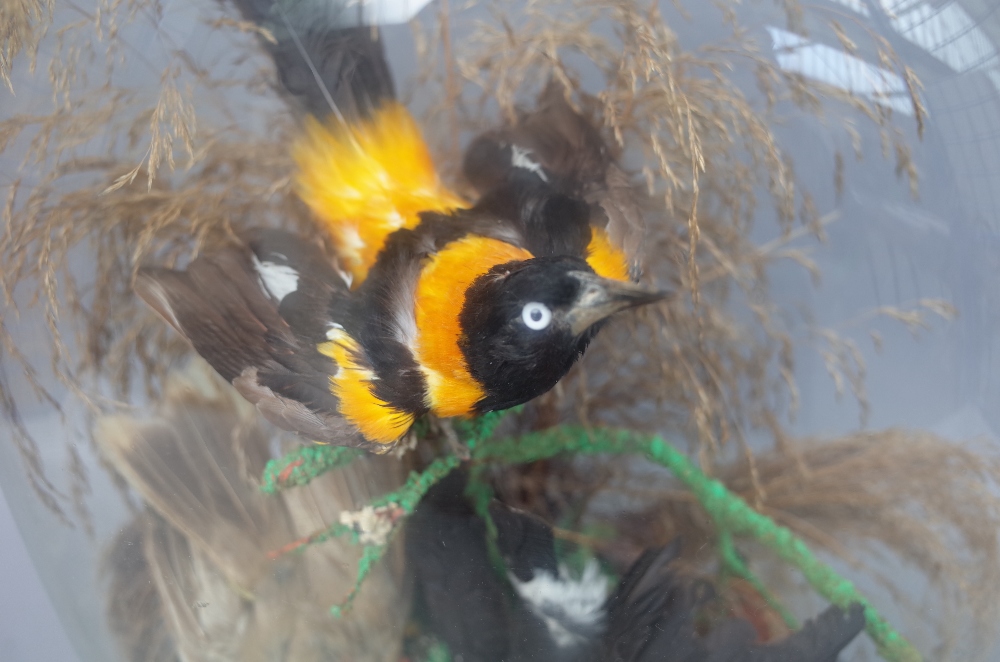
pixel 368 179
pixel 451 388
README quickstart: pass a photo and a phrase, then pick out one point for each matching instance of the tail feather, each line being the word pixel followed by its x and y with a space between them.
pixel 367 180
pixel 326 61
pixel 195 577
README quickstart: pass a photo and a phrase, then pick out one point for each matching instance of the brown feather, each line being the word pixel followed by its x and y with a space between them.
pixel 294 416
pixel 265 345
pixel 183 463
pixel 207 533
pixel 135 611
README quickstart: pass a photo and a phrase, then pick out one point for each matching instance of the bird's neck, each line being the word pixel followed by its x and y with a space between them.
pixel 440 295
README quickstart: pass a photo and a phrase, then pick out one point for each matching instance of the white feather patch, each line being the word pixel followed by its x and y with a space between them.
pixel 521 158
pixel 345 276
pixel 569 607
pixel 279 280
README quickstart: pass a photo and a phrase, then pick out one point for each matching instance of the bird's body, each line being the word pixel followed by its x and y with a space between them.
pixel 429 304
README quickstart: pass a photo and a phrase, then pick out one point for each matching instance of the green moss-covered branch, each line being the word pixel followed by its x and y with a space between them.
pixel 304 464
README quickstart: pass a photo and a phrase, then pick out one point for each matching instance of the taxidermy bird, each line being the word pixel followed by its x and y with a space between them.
pixel 198 575
pixel 430 304
pixel 539 612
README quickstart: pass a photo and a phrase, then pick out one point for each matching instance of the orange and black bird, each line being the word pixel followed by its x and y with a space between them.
pixel 430 303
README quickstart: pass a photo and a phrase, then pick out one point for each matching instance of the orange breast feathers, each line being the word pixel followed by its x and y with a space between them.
pixel 377 420
pixel 367 180
pixel 451 389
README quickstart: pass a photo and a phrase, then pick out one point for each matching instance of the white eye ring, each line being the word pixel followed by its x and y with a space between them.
pixel 536 315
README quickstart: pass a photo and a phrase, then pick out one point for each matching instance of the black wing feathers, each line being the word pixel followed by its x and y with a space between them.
pixel 320 295
pixel 525 541
pixel 555 147
pixel 460 596
pixel 819 640
pixel 558 144
pixel 550 222
pixel 651 618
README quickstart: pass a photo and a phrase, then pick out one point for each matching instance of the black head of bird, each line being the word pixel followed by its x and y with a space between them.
pixel 525 323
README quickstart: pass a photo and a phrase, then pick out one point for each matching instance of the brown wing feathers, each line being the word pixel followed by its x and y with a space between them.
pixel 218 305
pixel 256 319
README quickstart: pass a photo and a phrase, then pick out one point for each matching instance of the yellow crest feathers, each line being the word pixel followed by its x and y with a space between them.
pixel 606 259
pixel 367 180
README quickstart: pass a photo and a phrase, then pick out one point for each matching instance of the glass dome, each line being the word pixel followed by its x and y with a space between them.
pixel 812 184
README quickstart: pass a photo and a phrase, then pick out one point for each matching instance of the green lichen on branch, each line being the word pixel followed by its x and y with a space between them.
pixel 304 464
pixel 308 462
pixel 438 653
pixel 390 508
pixel 478 430
pixel 405 499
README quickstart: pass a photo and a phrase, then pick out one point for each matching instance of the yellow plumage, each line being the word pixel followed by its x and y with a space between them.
pixel 379 421
pixel 606 259
pixel 368 180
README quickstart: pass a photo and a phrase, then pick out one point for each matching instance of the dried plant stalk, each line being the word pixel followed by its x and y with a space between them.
pixel 934 503
pixel 112 178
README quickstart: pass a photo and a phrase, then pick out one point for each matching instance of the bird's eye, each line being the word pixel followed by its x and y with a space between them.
pixel 536 315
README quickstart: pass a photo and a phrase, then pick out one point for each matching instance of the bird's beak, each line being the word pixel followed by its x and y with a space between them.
pixel 602 297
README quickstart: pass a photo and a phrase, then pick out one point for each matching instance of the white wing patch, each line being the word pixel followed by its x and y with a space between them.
pixel 401 308
pixel 521 158
pixel 278 280
pixel 571 609
pixel 345 276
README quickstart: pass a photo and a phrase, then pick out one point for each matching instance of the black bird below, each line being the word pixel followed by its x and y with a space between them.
pixel 538 612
